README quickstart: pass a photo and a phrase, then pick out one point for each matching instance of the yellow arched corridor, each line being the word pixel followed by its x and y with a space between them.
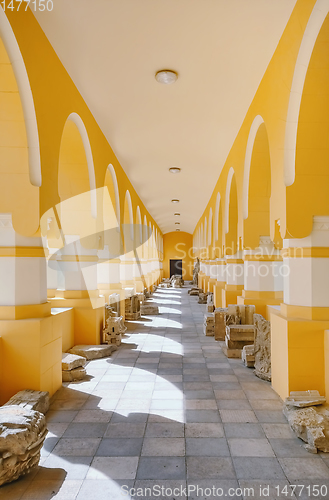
pixel 111 181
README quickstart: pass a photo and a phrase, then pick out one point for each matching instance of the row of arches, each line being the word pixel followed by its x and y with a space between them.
pixel 276 177
pixel 88 203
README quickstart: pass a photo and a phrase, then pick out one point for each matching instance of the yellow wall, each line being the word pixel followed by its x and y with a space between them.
pixel 178 245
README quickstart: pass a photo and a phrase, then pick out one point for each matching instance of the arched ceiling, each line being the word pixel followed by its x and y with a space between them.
pixel 220 49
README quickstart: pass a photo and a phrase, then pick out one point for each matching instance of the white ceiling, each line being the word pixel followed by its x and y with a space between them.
pixel 220 49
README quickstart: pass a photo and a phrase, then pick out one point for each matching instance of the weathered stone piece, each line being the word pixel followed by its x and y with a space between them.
pixel 311 425
pixel 74 375
pixel 114 303
pixel 210 303
pixel 202 298
pixel 141 297
pixel 302 399
pixel 93 351
pixel 239 330
pixel 209 324
pixel 115 328
pixel 220 314
pixel 196 271
pixel 132 308
pixel 149 309
pixel 22 433
pixel 73 367
pixel 176 281
pixel 248 355
pixel 194 291
pixel 262 347
pixel 71 361
pixel 31 400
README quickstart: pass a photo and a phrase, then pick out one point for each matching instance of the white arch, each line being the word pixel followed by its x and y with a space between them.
pixel 201 235
pixel 315 22
pixel 25 93
pixel 131 216
pixel 146 236
pixel 75 118
pixel 139 222
pixel 205 235
pixel 210 227
pixel 258 121
pixel 116 193
pixel 227 198
pixel 150 235
pixel 216 218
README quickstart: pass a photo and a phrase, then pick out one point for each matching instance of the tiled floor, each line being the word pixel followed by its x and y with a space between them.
pixel 168 410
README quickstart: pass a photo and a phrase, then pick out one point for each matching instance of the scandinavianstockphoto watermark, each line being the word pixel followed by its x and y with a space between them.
pixel 259 491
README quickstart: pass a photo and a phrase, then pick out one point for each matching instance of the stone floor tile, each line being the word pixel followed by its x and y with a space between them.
pixel 79 447
pixel 227 394
pixel 57 416
pixel 86 429
pixel 113 468
pixel 282 431
pixel 161 468
pixel 240 430
pixel 125 430
pixel 242 416
pixel 250 447
pixel 289 447
pixel 108 488
pixel 119 447
pixel 164 430
pixel 262 468
pixel 233 404
pixel 310 468
pixel 268 416
pixel 163 447
pixel 207 447
pixel 70 467
pixel 210 468
pixel 202 416
pixel 204 430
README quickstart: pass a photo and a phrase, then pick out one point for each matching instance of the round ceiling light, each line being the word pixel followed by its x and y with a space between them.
pixel 177 222
pixel 174 201
pixel 174 170
pixel 177 229
pixel 166 76
pixel 176 214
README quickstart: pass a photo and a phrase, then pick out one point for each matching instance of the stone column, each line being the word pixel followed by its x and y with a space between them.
pixel 31 347
pixel 78 288
pixel 212 269
pixel 263 277
pixel 234 279
pixel 220 282
pixel 300 346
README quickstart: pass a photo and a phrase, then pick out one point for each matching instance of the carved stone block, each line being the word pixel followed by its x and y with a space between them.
pixel 248 355
pixel 262 347
pixel 71 361
pixel 31 400
pixel 220 323
pixel 74 375
pixel 311 425
pixel 149 309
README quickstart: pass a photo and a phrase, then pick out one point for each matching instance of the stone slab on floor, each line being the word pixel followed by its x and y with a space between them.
pixel 71 361
pixel 93 351
pixel 74 375
pixel 31 400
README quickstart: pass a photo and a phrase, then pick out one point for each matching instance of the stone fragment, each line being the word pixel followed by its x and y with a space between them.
pixel 239 331
pixel 22 433
pixel 196 271
pixel 311 425
pixel 132 308
pixel 114 303
pixel 248 355
pixel 210 303
pixel 141 297
pixel 149 309
pixel 115 328
pixel 302 399
pixel 176 281
pixel 202 298
pixel 31 400
pixel 93 351
pixel 262 347
pixel 71 361
pixel 209 324
pixel 220 314
pixel 73 375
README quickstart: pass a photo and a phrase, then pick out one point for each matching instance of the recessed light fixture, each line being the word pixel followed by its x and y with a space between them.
pixel 177 229
pixel 176 214
pixel 174 170
pixel 166 76
pixel 174 201
pixel 177 222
